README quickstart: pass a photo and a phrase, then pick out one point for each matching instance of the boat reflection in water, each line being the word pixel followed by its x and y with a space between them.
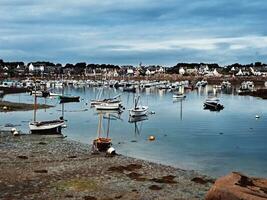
pixel 181 106
pixel 103 143
pixel 138 122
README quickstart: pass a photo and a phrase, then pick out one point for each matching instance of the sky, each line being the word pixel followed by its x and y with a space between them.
pixel 132 31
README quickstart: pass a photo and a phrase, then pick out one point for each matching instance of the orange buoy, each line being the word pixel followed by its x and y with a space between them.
pixel 151 138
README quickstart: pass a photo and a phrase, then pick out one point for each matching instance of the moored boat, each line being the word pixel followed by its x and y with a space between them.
pixel 102 144
pixel 213 104
pixel 69 98
pixel 178 95
pixel 138 110
pixel 108 106
pixel 44 127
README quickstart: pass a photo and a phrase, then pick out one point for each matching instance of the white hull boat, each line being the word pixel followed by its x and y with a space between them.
pixel 108 106
pixel 138 111
pixel 47 127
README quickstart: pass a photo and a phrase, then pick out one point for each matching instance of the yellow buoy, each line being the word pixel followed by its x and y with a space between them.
pixel 151 138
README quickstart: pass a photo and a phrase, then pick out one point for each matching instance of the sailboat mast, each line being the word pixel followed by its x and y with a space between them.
pixel 99 125
pixel 108 125
pixel 62 107
pixel 35 102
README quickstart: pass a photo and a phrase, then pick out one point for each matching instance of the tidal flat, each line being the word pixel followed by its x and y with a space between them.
pixel 53 167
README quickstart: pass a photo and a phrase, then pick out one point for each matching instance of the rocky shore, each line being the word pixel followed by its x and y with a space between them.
pixel 52 167
pixel 6 106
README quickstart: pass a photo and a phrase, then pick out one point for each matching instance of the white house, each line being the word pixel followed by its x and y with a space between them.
pixel 239 73
pixel 36 68
pixel 181 71
pixel 31 67
pixel 148 73
pixel 115 73
pixel 161 70
pixel 216 73
pixel 130 71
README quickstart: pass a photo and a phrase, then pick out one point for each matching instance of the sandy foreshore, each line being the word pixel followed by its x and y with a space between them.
pixel 50 167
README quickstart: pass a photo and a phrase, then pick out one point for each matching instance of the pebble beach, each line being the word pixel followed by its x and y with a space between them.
pixel 53 167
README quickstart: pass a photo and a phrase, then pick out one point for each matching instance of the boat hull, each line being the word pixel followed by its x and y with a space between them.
pixel 108 106
pixel 46 127
pixel 138 112
pixel 102 144
pixel 64 99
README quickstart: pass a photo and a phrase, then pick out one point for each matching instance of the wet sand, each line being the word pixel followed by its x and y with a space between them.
pixel 52 167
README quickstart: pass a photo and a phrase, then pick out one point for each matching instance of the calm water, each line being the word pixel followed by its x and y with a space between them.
pixel 187 136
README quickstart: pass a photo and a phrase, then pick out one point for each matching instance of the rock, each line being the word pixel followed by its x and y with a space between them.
pixel 42 143
pixel 201 180
pixel 23 157
pixel 237 186
pixel 165 179
pixel 89 198
pixel 42 171
pixel 154 187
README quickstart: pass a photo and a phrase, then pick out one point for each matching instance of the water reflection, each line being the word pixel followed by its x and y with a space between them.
pixel 180 101
pixel 138 123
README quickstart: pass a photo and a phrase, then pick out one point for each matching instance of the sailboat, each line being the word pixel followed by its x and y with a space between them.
pixel 113 100
pixel 44 127
pixel 102 144
pixel 66 99
pixel 138 110
pixel 107 104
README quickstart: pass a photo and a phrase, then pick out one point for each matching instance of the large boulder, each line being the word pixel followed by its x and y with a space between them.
pixel 237 186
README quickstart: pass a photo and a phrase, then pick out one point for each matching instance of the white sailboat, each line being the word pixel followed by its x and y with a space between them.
pixel 44 127
pixel 138 110
pixel 108 106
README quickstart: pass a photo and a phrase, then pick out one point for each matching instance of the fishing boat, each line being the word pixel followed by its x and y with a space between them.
pixel 138 110
pixel 102 144
pixel 44 127
pixel 212 103
pixel 178 95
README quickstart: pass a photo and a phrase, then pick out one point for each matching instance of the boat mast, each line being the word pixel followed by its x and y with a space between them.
pixel 62 108
pixel 35 102
pixel 99 125
pixel 108 125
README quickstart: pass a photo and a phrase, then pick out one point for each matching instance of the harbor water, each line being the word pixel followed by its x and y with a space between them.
pixel 186 135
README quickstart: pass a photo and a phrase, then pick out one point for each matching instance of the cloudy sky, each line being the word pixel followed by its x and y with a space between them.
pixel 129 31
